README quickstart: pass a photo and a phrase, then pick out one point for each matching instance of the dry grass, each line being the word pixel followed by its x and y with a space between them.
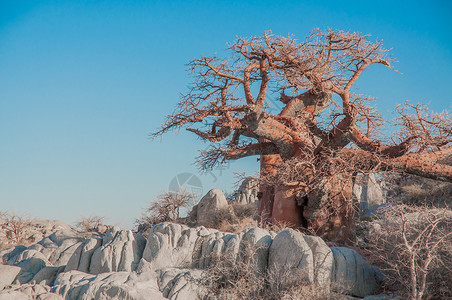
pixel 228 278
pixel 414 190
pixel 236 217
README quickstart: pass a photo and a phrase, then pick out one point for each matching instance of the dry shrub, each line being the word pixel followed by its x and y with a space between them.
pixel 236 217
pixel 224 216
pixel 14 229
pixel 278 226
pixel 166 208
pixel 229 277
pixel 414 190
pixel 245 210
pixel 90 224
pixel 413 247
pixel 432 194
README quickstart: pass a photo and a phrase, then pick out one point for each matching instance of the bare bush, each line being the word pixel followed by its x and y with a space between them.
pixel 90 224
pixel 236 217
pixel 245 210
pixel 14 228
pixel 166 207
pixel 412 245
pixel 226 278
pixel 414 190
pixel 230 278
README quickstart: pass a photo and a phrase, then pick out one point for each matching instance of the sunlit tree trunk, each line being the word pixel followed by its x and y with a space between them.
pixel 286 210
pixel 267 192
pixel 328 210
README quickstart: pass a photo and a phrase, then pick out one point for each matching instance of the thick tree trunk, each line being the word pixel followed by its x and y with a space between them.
pixel 265 205
pixel 329 210
pixel 277 205
pixel 267 193
pixel 286 210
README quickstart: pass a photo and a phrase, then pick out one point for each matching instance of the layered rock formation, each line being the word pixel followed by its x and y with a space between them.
pixel 247 192
pixel 14 229
pixel 368 192
pixel 124 265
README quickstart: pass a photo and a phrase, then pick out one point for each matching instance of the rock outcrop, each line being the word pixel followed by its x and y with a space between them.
pixel 368 192
pixel 32 230
pixel 247 192
pixel 168 263
pixel 7 275
pixel 352 274
pixel 209 205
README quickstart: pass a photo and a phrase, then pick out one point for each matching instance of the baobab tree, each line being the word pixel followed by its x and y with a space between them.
pixel 323 135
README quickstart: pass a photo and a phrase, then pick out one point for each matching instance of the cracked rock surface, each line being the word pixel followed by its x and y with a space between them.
pixel 166 264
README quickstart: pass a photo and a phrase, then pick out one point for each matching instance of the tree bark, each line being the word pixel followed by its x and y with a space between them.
pixel 286 210
pixel 267 192
pixel 329 210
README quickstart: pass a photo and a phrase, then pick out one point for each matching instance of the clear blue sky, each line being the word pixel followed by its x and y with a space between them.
pixel 83 83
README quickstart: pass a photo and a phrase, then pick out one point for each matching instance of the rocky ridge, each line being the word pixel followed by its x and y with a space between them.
pixel 166 264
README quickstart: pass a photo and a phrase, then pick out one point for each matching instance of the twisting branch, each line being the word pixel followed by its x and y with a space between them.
pixel 321 117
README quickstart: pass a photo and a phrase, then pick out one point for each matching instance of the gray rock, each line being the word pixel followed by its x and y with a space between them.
pixel 184 286
pixel 114 285
pixel 7 275
pixel 160 261
pixel 35 230
pixel 13 295
pixel 323 260
pixel 69 284
pixel 352 274
pixel 257 240
pixel 165 279
pixel 212 246
pixel 59 246
pixel 47 275
pixel 247 192
pixel 60 236
pixel 368 192
pixel 209 206
pixel 172 245
pixel 30 253
pixel 63 253
pixel 9 256
pixel 290 258
pixel 81 258
pixel 29 268
pixel 121 251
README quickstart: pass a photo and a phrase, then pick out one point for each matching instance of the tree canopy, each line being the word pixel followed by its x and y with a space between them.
pixel 324 133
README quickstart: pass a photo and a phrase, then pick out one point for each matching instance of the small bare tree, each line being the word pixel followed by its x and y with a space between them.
pixel 14 227
pixel 413 245
pixel 89 224
pixel 166 207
